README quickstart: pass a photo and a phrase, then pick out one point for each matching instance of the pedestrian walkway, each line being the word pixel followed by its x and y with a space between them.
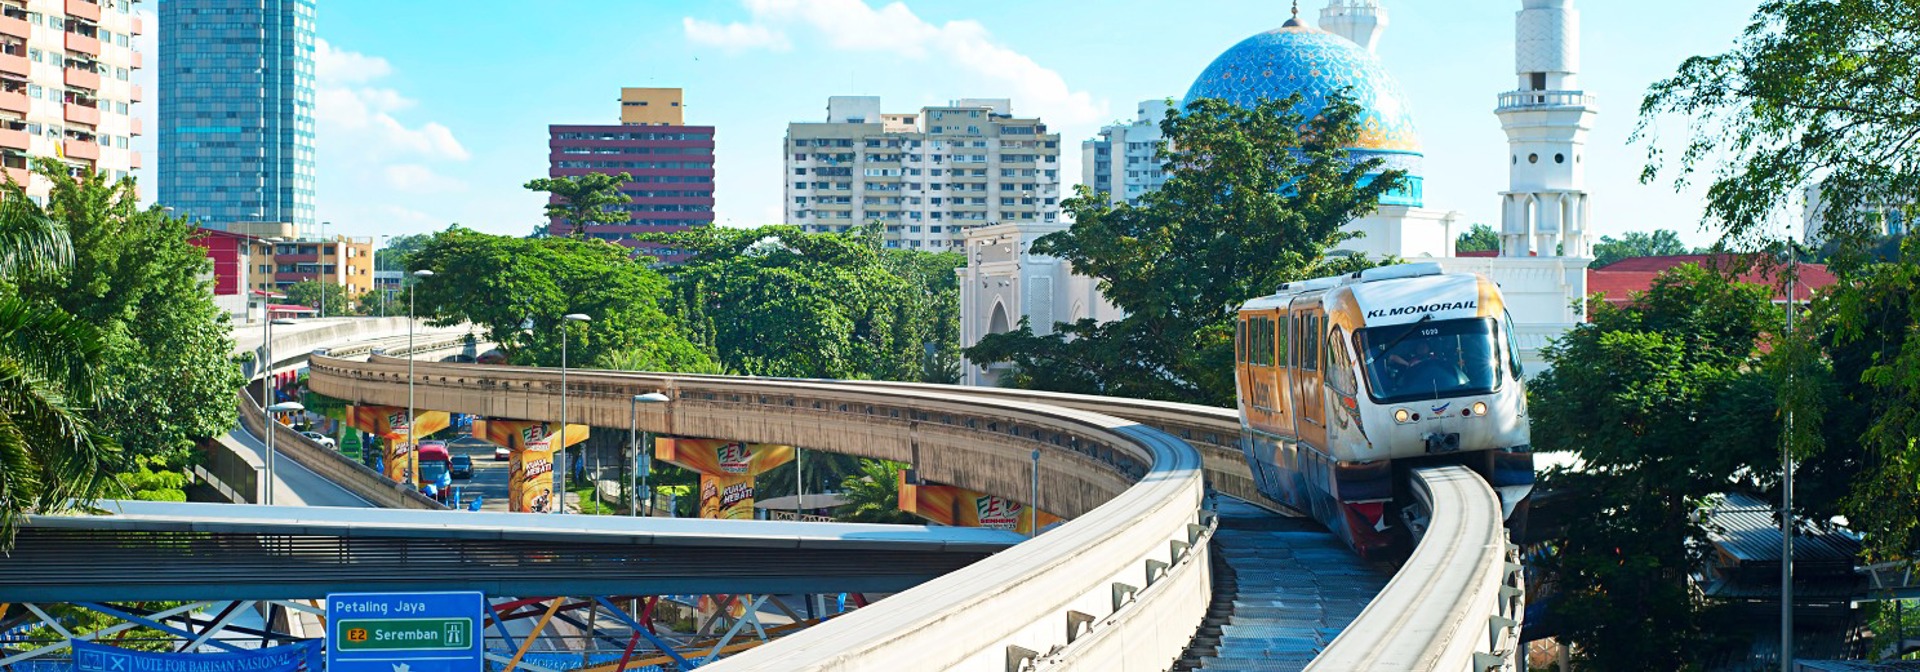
pixel 1296 586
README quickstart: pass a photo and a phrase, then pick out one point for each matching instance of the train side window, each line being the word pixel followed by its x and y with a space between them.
pixel 1339 367
pixel 1280 333
pixel 1310 342
pixel 1240 341
pixel 1513 347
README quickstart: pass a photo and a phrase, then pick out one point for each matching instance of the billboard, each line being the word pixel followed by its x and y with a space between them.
pixel 960 507
pixel 390 423
pixel 530 463
pixel 713 456
pixel 726 496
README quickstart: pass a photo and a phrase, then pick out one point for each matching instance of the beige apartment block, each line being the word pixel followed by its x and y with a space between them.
pixel 66 86
pixel 641 106
pixel 926 177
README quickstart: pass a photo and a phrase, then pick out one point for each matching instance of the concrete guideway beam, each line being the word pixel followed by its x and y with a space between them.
pixel 1134 494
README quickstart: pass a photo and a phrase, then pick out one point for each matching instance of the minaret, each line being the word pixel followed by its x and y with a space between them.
pixel 1546 120
pixel 1361 21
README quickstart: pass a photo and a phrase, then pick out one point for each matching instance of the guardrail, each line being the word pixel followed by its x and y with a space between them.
pixel 234 474
pixel 1456 603
pixel 1520 99
pixel 355 477
pixel 1118 587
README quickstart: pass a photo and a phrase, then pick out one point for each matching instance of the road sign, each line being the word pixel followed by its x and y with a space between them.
pixel 405 632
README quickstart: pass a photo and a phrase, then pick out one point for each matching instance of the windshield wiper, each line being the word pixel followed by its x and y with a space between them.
pixel 1404 334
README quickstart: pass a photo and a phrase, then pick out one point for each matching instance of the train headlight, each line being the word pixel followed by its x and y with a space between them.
pixel 1400 415
pixel 1479 408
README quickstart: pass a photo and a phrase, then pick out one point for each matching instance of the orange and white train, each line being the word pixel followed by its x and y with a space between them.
pixel 1348 381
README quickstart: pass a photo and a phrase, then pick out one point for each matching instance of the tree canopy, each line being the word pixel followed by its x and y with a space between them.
pixel 506 284
pixel 393 255
pixel 1255 198
pixel 1481 238
pixel 585 199
pixel 1659 243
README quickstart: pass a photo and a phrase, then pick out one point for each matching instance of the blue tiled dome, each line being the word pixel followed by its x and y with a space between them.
pixel 1316 64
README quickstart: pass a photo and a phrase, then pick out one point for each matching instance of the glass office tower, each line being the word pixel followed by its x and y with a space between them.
pixel 236 123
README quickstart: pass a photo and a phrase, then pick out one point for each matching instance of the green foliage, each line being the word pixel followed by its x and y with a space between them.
pixel 1872 342
pixel 167 369
pixel 1479 239
pixel 155 480
pixel 1660 243
pixel 1814 92
pixel 873 495
pixel 393 255
pixel 776 301
pixel 308 293
pixel 1255 198
pixel 1666 403
pixel 502 282
pixel 584 200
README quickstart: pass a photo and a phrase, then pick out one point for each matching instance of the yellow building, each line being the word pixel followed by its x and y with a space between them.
pixel 650 107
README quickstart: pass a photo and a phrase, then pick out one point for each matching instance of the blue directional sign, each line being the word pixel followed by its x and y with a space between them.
pixel 405 632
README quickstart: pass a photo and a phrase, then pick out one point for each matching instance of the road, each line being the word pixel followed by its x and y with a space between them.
pixel 294 485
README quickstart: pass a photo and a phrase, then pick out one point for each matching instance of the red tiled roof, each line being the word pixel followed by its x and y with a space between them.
pixel 288 308
pixel 1635 274
pixel 1478 253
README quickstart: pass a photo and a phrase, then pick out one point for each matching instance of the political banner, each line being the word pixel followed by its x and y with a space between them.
pixel 960 507
pixel 726 496
pixel 301 657
pixel 714 456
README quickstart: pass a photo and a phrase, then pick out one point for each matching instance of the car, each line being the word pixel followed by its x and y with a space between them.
pixel 319 438
pixel 500 453
pixel 462 466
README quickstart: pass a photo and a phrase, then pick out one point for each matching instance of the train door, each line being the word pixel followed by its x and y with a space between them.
pixel 1308 379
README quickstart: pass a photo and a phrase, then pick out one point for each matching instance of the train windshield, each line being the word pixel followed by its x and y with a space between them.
pixel 1431 359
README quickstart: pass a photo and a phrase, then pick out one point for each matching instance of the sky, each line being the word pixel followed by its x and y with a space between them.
pixel 431 115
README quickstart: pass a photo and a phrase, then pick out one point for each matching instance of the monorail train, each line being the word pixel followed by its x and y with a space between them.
pixel 1346 382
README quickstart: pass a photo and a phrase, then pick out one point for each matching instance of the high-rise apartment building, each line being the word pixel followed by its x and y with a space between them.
pixel 1124 162
pixel 925 176
pixel 66 91
pixel 237 123
pixel 670 163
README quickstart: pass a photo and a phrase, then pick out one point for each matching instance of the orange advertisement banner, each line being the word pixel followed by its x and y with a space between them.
pixel 960 507
pixel 390 422
pixel 714 456
pixel 530 480
pixel 726 496
pixel 520 434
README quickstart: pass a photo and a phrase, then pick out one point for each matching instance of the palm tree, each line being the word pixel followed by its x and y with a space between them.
pixel 873 495
pixel 52 457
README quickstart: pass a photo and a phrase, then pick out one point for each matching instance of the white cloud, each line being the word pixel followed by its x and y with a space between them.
pixel 733 36
pixel 853 25
pixel 418 179
pixel 361 117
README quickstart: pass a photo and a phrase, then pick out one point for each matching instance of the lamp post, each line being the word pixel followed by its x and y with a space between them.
pixel 324 249
pixel 384 292
pixel 413 453
pixel 1033 500
pixel 266 390
pixel 642 468
pixel 560 454
pixel 1786 483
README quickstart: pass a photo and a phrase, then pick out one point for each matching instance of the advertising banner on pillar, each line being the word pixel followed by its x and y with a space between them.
pixel 530 480
pixel 517 434
pixel 390 422
pixel 960 507
pixel 713 456
pixel 726 496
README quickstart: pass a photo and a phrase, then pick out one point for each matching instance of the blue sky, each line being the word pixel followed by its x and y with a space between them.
pixel 436 112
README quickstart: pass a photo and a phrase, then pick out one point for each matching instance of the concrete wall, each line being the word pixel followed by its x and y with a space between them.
pixel 365 483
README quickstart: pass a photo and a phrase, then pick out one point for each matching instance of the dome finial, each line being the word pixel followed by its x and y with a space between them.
pixel 1294 22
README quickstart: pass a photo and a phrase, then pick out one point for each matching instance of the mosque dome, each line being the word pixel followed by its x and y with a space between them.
pixel 1298 58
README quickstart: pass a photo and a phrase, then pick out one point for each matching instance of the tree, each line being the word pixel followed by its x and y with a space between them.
pixel 873 495
pixel 308 293
pixel 1480 239
pixel 1666 403
pixel 1659 243
pixel 52 454
pixel 1815 93
pixel 168 372
pixel 584 200
pixel 1256 197
pixel 393 256
pixel 776 301
pixel 504 283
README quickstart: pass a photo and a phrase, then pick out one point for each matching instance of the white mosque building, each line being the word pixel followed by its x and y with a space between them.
pixel 1544 232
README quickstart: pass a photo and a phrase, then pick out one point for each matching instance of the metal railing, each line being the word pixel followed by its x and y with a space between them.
pixel 1522 99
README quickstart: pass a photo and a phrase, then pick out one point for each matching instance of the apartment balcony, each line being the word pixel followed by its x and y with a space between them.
pixel 85 9
pixel 139 60
pixel 85 79
pixel 83 44
pixel 1515 100
pixel 81 114
pixel 82 149
pixel 139 27
pixel 19 175
pixel 133 160
pixel 15 101
pixel 16 27
pixel 12 139
pixel 135 93
pixel 16 64
pixel 137 128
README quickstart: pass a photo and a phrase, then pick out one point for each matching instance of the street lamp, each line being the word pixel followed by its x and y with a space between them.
pixel 1033 500
pixel 266 388
pixel 413 452
pixel 560 454
pixel 645 467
